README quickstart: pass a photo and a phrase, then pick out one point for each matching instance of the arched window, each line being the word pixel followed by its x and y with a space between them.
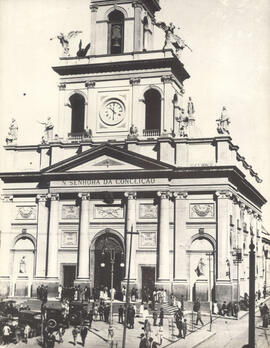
pixel 77 117
pixel 116 32
pixel 152 110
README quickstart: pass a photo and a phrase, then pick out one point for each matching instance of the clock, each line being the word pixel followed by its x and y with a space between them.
pixel 113 112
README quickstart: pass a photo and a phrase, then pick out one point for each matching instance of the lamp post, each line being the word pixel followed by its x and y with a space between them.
pixel 265 272
pixel 251 336
pixel 237 260
pixel 111 252
pixel 210 286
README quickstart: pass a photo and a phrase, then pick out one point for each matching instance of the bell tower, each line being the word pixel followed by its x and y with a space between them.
pixel 122 26
pixel 124 88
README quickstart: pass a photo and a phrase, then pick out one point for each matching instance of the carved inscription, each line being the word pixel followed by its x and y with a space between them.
pixel 148 239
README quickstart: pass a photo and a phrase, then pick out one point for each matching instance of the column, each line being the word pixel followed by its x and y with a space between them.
pixel 131 226
pixel 6 210
pixel 164 235
pixel 93 9
pixel 52 270
pixel 83 251
pixel 223 285
pixel 138 27
pixel 42 233
pixel 180 216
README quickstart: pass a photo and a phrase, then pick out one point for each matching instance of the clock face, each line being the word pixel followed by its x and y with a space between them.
pixel 113 112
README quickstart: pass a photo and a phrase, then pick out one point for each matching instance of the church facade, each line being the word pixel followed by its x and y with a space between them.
pixel 122 169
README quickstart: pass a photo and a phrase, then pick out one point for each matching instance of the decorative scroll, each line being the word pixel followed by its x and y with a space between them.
pixel 70 212
pixel 148 211
pixel 205 210
pixel 148 239
pixel 108 212
pixel 26 213
pixel 69 239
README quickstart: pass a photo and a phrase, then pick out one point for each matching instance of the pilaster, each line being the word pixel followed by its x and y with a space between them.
pixel 138 27
pixel 180 243
pixel 83 249
pixel 164 235
pixel 93 9
pixel 42 234
pixel 52 262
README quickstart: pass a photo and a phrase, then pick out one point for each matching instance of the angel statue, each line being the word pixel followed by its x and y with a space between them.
pixel 223 122
pixel 171 39
pixel 82 52
pixel 64 40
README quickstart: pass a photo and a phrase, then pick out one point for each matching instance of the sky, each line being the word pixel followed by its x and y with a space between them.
pixel 229 66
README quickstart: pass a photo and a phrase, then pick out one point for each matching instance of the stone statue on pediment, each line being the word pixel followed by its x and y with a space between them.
pixel 223 122
pixel 183 124
pixel 12 133
pixel 200 269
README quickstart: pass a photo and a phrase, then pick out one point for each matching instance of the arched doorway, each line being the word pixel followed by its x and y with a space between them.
pixel 23 267
pixel 201 269
pixel 106 245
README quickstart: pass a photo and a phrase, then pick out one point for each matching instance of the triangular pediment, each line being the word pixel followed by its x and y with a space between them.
pixel 106 158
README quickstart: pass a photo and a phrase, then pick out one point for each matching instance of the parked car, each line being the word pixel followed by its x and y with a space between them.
pixel 33 319
pixel 77 312
pixel 8 308
pixel 54 315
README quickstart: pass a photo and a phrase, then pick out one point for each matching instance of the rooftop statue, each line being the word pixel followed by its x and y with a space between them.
pixel 82 52
pixel 183 124
pixel 13 132
pixel 64 40
pixel 171 39
pixel 223 122
pixel 48 130
pixel 133 132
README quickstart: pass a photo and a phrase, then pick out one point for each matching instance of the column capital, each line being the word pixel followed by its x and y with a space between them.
pixel 164 194
pixel 242 206
pixel 53 196
pixel 180 195
pixel 135 81
pixel 84 196
pixel 249 211
pixel 167 78
pixel 224 194
pixel 93 8
pixel 130 195
pixel 42 198
pixel 62 86
pixel 90 84
pixel 136 4
pixel 7 198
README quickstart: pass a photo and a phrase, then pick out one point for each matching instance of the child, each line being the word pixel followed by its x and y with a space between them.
pixel 75 333
pixel 184 328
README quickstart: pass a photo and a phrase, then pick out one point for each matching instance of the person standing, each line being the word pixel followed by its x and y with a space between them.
pixel 113 293
pixel 265 315
pixel 132 317
pixel 199 317
pixel 6 334
pixel 147 329
pixel 182 302
pixel 259 294
pixel 84 332
pixel 75 333
pixel 26 332
pixel 90 317
pixel 120 314
pixel 161 317
pixel 61 332
pixel 155 317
